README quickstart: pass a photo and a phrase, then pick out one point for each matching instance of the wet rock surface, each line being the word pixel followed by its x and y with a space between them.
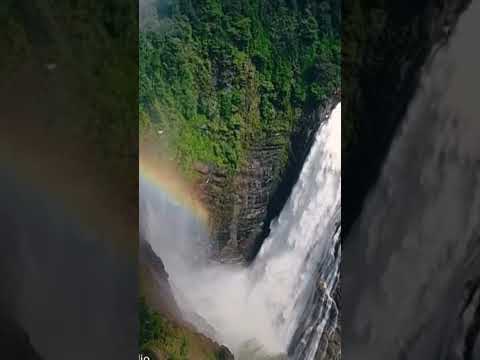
pixel 154 282
pixel 224 354
pixel 330 347
pixel 157 290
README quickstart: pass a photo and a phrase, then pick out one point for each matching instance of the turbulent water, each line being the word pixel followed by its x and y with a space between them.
pixel 417 240
pixel 283 302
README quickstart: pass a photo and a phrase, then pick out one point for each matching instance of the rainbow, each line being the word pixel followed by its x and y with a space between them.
pixel 164 176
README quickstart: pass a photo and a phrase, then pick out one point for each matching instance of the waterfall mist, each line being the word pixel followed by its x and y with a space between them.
pixel 267 308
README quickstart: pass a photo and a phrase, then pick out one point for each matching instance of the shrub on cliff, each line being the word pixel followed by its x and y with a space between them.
pixel 223 74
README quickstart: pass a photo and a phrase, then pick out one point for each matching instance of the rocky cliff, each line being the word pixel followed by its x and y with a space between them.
pixel 154 282
pixel 243 206
pixel 164 333
pixel 236 90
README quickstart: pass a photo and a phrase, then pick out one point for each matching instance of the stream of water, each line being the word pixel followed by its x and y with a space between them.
pixel 282 304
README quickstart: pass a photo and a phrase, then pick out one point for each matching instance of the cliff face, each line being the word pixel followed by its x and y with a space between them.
pixel 154 282
pixel 238 205
pixel 236 91
pixel 243 207
pixel 164 333
pixel 330 347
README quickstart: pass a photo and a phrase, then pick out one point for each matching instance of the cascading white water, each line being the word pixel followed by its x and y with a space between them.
pixel 272 306
pixel 416 239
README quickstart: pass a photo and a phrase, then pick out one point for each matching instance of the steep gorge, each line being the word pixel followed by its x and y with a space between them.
pixel 235 92
pixel 244 205
pixel 283 303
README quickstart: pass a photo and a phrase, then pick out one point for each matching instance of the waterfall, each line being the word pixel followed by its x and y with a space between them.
pixel 416 241
pixel 299 255
pixel 282 304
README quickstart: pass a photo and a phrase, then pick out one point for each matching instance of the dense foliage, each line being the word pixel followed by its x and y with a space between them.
pixel 218 75
pixel 158 332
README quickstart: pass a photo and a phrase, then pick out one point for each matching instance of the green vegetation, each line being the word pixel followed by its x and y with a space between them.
pixel 217 76
pixel 158 332
pixel 159 336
